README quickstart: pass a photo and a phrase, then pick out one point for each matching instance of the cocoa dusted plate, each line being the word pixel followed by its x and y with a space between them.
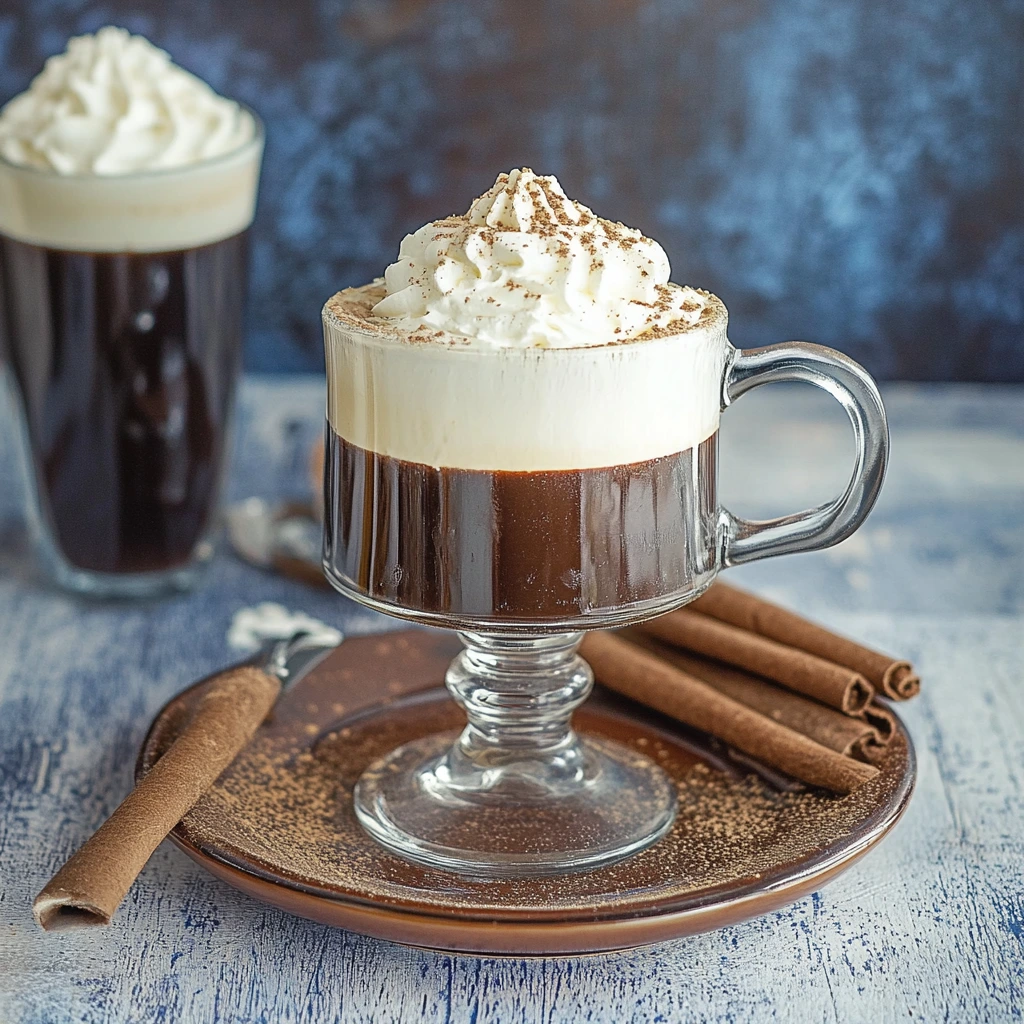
pixel 279 825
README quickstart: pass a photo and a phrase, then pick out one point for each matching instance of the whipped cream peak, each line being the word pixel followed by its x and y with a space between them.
pixel 528 267
pixel 524 201
pixel 114 103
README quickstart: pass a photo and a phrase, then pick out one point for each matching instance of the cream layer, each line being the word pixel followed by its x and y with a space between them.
pixel 148 211
pixel 444 401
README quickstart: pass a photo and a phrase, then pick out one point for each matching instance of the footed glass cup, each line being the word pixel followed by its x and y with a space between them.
pixel 521 564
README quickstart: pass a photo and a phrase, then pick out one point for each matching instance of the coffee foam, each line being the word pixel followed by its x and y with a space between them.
pixel 149 211
pixel 440 400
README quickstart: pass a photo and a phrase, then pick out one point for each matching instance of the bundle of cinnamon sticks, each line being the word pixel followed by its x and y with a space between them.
pixel 769 683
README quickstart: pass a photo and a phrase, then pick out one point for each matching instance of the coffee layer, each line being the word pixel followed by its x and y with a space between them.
pixel 438 400
pixel 126 366
pixel 519 546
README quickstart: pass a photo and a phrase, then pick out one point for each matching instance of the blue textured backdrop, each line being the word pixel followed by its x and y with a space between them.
pixel 850 173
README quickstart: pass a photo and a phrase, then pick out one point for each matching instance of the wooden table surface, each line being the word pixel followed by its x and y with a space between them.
pixel 929 927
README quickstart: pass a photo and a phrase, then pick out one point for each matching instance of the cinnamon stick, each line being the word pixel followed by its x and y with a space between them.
pixel 854 737
pixel 893 677
pixel 89 888
pixel 881 720
pixel 824 681
pixel 640 675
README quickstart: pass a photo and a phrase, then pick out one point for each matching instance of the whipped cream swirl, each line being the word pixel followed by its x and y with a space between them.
pixel 528 267
pixel 113 103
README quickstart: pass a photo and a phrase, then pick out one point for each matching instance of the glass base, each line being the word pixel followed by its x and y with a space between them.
pixel 518 792
pixel 112 585
pixel 157 583
pixel 412 803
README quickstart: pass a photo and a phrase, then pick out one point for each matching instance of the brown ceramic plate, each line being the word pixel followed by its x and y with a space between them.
pixel 279 823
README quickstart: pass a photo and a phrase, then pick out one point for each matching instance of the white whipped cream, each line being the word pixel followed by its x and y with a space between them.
pixel 251 627
pixel 114 104
pixel 527 267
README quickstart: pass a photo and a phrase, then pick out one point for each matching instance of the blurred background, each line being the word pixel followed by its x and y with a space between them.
pixel 847 172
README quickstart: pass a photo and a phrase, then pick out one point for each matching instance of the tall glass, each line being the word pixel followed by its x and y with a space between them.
pixel 121 311
pixel 521 561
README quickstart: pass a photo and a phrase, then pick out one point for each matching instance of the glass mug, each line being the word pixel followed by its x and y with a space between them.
pixel 121 313
pixel 521 561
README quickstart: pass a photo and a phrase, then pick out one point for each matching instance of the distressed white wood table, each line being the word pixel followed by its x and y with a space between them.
pixel 929 927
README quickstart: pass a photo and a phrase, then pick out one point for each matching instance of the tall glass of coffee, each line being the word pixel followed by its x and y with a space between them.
pixel 127 187
pixel 521 444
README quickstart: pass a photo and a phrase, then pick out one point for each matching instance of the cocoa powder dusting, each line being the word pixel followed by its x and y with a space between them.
pixel 352 307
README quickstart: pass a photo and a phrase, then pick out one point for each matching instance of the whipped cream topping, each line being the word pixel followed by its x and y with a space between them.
pixel 114 104
pixel 528 267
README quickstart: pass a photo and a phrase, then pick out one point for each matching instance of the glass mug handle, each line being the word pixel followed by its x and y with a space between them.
pixel 743 540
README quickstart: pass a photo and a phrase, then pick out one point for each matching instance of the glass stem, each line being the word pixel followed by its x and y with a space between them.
pixel 519 693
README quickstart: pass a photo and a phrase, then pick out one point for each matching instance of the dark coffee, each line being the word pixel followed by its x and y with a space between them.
pixel 126 365
pixel 518 545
